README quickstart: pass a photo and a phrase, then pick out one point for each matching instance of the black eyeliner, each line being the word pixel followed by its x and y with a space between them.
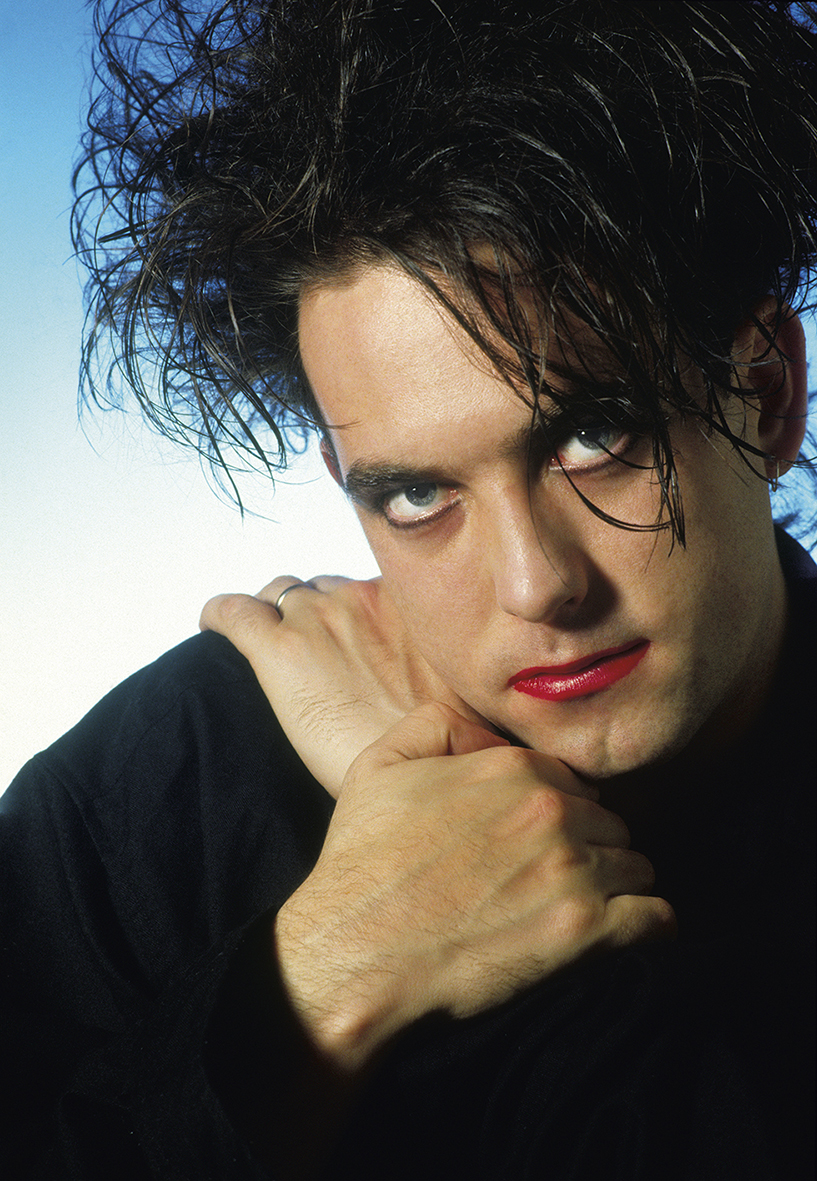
pixel 371 485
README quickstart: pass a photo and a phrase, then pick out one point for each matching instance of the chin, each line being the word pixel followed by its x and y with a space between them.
pixel 614 751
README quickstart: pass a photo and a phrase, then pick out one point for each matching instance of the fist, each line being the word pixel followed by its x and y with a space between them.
pixel 457 870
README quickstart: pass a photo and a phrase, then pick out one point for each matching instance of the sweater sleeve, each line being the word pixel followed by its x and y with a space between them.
pixel 134 856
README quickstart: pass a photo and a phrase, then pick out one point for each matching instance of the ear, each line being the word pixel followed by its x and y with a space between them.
pixel 776 372
pixel 330 458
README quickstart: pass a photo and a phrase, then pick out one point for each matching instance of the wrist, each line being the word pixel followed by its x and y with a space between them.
pixel 348 1009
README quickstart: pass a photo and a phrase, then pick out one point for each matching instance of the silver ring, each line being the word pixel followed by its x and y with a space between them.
pixel 285 592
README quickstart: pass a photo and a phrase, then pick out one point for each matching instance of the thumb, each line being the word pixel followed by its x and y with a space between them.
pixel 428 732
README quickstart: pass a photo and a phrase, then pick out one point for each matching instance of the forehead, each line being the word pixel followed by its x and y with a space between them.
pixel 380 352
pixel 380 347
pixel 379 316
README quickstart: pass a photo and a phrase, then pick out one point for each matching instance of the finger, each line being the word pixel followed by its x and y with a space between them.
pixel 326 583
pixel 621 872
pixel 633 919
pixel 430 731
pixel 559 775
pixel 607 829
pixel 241 618
pixel 273 590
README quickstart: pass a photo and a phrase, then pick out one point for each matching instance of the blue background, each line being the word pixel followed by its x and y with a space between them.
pixel 111 541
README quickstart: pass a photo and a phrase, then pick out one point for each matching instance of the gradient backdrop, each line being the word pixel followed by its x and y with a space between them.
pixel 111 541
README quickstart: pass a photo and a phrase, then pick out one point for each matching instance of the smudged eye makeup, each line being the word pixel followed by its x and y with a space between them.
pixel 592 446
pixel 418 503
pixel 407 501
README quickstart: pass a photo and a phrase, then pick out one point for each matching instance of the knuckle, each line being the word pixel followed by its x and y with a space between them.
pixel 507 761
pixel 357 591
pixel 577 918
pixel 245 621
pixel 343 596
pixel 552 806
pixel 272 590
pixel 655 920
pixel 232 610
pixel 327 583
pixel 436 712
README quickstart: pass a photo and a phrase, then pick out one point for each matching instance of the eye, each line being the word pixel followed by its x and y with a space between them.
pixel 416 503
pixel 592 446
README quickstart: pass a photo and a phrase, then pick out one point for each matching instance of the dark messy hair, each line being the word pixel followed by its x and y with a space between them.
pixel 645 170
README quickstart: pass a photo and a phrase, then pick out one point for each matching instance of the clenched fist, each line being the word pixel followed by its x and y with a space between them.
pixel 456 871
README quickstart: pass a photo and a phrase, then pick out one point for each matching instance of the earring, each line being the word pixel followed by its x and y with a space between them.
pixel 774 481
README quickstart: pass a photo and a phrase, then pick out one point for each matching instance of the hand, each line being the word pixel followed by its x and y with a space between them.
pixel 456 871
pixel 338 669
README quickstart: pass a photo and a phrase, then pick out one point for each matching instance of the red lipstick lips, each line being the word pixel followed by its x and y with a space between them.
pixel 580 678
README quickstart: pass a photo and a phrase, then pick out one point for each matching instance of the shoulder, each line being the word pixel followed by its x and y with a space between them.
pixel 182 786
pixel 797 675
pixel 795 695
pixel 194 725
pixel 201 692
pixel 798 565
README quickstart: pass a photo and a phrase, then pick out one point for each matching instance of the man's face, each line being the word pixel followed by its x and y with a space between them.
pixel 630 648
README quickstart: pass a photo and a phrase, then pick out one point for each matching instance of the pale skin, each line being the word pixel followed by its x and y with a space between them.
pixel 458 869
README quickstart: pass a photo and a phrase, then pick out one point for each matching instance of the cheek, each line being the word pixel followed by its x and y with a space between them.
pixel 440 603
pixel 715 589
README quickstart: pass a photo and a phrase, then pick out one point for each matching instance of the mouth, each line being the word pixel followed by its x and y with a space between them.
pixel 582 677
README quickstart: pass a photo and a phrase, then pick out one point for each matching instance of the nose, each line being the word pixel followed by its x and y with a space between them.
pixel 538 571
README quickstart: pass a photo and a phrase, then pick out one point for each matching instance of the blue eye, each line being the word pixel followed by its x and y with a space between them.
pixel 592 445
pixel 417 502
pixel 420 496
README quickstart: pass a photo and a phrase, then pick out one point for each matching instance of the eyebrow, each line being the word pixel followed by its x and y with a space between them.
pixel 367 480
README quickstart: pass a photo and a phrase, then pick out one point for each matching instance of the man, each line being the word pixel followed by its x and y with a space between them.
pixel 530 274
